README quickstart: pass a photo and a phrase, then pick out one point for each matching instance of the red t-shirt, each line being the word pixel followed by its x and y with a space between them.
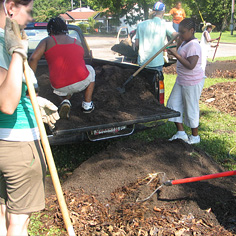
pixel 66 64
pixel 178 15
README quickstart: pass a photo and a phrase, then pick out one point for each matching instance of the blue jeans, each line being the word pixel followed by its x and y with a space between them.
pixel 176 27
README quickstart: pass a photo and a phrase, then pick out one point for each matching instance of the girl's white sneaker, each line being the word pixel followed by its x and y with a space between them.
pixel 184 137
pixel 194 139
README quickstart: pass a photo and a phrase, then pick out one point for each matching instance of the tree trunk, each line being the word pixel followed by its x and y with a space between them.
pixel 225 23
pixel 146 10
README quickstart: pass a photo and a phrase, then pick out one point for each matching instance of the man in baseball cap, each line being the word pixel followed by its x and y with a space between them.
pixel 159 6
pixel 150 37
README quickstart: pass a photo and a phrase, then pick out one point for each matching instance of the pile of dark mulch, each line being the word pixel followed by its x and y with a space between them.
pixel 111 106
pixel 102 192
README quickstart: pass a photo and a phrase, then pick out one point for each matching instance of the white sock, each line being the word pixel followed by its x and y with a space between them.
pixel 87 103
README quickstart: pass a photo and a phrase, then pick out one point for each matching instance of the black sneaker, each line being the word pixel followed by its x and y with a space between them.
pixel 64 109
pixel 87 109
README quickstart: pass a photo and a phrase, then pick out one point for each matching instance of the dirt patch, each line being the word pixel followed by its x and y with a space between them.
pixel 221 69
pixel 102 192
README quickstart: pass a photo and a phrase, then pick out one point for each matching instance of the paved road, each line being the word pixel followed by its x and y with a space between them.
pixel 224 50
pixel 101 47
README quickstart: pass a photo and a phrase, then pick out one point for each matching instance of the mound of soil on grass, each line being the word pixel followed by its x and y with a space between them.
pixel 221 69
pixel 102 192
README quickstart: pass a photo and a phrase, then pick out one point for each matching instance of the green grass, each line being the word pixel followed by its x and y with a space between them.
pixel 209 81
pixel 226 36
pixel 222 59
pixel 218 131
pixel 36 227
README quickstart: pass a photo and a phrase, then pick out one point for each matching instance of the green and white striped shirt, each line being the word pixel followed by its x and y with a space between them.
pixel 21 125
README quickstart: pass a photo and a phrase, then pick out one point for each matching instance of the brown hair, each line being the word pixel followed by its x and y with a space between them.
pixel 18 2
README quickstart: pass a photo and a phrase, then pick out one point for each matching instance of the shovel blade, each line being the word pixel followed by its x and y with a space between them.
pixel 121 89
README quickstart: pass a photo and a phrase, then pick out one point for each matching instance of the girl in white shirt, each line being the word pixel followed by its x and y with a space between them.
pixel 205 43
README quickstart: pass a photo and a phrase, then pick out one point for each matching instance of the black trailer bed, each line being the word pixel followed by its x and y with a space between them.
pixel 137 104
pixel 112 109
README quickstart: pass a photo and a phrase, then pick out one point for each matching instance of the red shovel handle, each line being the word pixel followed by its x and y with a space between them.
pixel 204 177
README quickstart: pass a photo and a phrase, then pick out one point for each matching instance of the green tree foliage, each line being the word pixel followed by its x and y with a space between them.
pixel 45 9
pixel 214 11
pixel 91 22
pixel 119 8
pixel 83 27
pixel 217 12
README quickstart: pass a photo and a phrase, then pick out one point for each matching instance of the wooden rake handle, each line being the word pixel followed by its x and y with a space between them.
pixel 48 152
pixel 45 142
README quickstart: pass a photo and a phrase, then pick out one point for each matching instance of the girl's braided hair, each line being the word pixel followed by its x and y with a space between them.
pixel 188 23
pixel 57 26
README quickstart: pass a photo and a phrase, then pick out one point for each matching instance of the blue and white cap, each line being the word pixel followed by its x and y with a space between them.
pixel 159 6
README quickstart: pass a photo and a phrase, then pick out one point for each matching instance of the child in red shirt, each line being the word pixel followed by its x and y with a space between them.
pixel 67 69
